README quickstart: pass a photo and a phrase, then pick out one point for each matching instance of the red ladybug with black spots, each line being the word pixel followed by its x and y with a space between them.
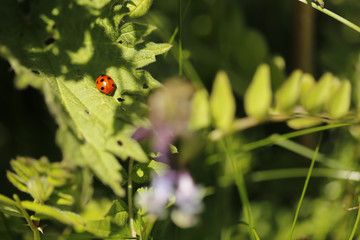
pixel 105 84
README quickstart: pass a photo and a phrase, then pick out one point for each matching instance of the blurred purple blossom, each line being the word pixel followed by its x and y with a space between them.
pixel 188 195
pixel 178 184
pixel 169 116
pixel 154 200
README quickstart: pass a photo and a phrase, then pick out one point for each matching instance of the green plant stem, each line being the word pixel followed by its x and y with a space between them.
pixel 333 15
pixel 240 183
pixel 130 199
pixel 180 37
pixel 31 224
pixel 177 28
pixel 172 39
pixel 276 138
pixel 309 153
pixel 305 187
pixel 356 223
pixel 188 68
pixel 276 174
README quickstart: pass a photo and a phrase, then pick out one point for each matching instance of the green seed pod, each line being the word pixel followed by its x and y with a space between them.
pixel 319 94
pixel 300 123
pixel 339 103
pixel 258 96
pixel 288 94
pixel 222 102
pixel 200 110
pixel 307 83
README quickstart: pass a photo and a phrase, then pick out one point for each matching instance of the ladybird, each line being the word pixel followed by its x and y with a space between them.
pixel 105 84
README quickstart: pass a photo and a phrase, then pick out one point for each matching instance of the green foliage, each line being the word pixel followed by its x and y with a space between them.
pixel 67 58
pixel 63 59
pixel 8 206
pixel 138 8
pixel 39 178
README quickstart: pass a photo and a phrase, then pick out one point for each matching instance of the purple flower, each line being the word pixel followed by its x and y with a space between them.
pixel 154 200
pixel 169 116
pixel 178 185
pixel 188 195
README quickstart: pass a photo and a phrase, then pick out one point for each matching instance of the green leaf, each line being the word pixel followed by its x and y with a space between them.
pixel 118 213
pixel 158 167
pixel 105 166
pixel 24 168
pixel 222 102
pixel 124 147
pixel 133 33
pixel 200 110
pixel 65 199
pixel 40 188
pixel 8 206
pixel 100 228
pixel 288 94
pixel 63 60
pixel 17 181
pixel 339 103
pixel 38 177
pixel 65 217
pixel 258 95
pixel 138 8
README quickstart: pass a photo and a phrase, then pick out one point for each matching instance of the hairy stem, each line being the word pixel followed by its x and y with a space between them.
pixel 31 224
pixel 130 199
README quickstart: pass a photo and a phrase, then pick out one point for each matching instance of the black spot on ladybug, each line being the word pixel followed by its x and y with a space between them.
pixel 145 86
pixel 49 41
pixel 109 78
pixel 120 99
pixel 87 112
pixel 102 80
pixel 121 42
pixel 120 143
pixel 102 88
pixel 97 82
pixel 36 72
pixel 113 85
pixel 102 75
